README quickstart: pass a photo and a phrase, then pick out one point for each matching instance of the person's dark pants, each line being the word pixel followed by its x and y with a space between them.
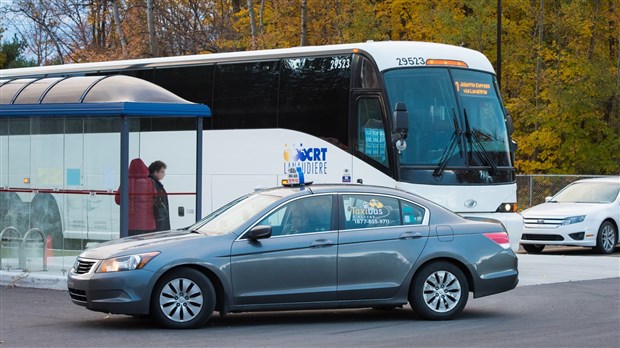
pixel 137 232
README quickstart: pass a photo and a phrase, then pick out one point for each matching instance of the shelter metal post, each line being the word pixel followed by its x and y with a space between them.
pixel 199 133
pixel 124 232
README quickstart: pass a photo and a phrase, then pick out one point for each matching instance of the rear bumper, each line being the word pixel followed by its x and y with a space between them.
pixel 499 273
pixel 117 293
pixel 513 223
pixel 502 283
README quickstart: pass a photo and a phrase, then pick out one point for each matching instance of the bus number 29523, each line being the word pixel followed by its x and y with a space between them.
pixel 410 61
pixel 340 63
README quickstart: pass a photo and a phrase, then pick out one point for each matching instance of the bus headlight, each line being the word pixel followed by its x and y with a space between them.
pixel 507 208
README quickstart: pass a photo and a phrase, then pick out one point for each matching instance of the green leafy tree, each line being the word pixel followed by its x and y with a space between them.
pixel 11 54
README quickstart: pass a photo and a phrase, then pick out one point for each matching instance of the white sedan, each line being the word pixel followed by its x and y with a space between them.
pixel 584 213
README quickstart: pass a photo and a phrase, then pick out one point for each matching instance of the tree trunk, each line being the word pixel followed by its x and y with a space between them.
pixel 304 23
pixel 541 17
pixel 260 17
pixel 236 5
pixel 593 29
pixel 252 24
pixel 616 105
pixel 150 18
pixel 119 29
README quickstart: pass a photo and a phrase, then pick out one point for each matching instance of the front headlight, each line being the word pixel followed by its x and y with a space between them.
pixel 573 220
pixel 126 263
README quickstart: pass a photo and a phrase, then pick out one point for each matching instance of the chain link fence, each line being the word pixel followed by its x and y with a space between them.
pixel 533 188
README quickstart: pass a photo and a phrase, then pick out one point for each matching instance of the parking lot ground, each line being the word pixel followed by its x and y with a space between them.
pixel 565 267
pixel 573 314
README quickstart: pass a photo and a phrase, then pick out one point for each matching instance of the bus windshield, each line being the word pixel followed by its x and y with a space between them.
pixel 455 116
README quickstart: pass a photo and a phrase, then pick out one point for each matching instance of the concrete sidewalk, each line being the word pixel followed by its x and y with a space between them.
pixel 533 269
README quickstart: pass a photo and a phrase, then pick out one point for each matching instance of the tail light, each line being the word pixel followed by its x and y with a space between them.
pixel 500 238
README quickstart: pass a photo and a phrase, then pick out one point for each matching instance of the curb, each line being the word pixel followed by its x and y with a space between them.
pixel 37 280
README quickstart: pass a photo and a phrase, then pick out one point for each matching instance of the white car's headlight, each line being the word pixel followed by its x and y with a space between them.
pixel 126 263
pixel 573 220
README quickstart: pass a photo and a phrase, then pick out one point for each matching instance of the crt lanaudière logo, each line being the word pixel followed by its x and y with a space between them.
pixel 311 160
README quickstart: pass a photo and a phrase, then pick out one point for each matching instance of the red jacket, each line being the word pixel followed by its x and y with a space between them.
pixel 141 197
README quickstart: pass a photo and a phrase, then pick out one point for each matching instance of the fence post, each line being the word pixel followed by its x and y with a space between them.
pixel 531 185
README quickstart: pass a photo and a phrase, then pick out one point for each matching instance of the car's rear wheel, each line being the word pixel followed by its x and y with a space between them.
pixel 606 239
pixel 439 291
pixel 183 299
pixel 533 248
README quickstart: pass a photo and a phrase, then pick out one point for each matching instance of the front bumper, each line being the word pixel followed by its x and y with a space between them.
pixel 125 292
pixel 579 234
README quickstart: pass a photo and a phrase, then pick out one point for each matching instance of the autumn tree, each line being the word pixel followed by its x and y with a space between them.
pixel 560 61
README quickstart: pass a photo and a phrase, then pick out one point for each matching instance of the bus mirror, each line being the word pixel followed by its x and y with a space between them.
pixel 509 125
pixel 401 120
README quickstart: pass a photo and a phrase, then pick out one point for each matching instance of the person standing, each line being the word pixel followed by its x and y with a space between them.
pixel 157 172
pixel 142 196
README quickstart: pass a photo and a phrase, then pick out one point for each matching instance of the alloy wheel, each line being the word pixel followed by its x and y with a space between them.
pixel 442 291
pixel 608 237
pixel 181 300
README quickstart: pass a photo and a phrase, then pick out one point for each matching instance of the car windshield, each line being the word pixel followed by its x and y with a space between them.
pixel 229 217
pixel 588 192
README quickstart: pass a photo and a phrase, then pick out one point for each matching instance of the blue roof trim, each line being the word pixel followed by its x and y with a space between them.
pixel 105 109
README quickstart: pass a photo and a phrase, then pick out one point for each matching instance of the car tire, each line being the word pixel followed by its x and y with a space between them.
pixel 183 299
pixel 533 248
pixel 606 238
pixel 439 291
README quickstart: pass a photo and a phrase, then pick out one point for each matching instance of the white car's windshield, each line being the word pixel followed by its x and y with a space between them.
pixel 232 215
pixel 588 192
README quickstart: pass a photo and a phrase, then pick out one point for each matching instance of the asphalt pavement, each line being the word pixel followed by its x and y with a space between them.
pixel 567 297
pixel 570 314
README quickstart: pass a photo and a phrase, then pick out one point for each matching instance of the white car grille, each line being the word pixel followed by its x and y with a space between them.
pixel 542 222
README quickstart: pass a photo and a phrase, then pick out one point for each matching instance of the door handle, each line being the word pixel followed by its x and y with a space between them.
pixel 321 243
pixel 410 235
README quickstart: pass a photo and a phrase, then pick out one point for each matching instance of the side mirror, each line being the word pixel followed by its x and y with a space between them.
pixel 509 125
pixel 401 119
pixel 259 232
pixel 547 199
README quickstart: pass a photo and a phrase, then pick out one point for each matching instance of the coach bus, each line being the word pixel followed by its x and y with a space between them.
pixel 422 117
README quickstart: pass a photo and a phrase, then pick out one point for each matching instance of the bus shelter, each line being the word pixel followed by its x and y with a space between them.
pixel 65 151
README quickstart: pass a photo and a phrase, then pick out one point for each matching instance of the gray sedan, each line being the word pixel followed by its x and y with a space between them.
pixel 331 246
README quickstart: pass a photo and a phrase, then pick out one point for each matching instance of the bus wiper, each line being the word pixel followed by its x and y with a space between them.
pixel 476 145
pixel 457 138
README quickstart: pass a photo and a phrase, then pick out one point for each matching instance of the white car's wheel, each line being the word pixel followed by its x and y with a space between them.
pixel 533 248
pixel 607 238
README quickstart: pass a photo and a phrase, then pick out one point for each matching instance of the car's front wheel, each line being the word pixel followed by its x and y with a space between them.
pixel 606 238
pixel 183 299
pixel 533 248
pixel 439 291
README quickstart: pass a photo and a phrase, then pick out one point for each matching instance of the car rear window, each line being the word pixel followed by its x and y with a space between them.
pixel 367 211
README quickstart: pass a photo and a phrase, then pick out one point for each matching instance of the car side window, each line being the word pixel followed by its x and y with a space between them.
pixel 366 211
pixel 412 214
pixel 306 215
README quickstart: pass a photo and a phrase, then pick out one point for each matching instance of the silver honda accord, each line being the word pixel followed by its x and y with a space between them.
pixel 324 246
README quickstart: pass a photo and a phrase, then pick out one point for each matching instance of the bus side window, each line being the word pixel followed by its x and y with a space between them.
pixel 371 133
